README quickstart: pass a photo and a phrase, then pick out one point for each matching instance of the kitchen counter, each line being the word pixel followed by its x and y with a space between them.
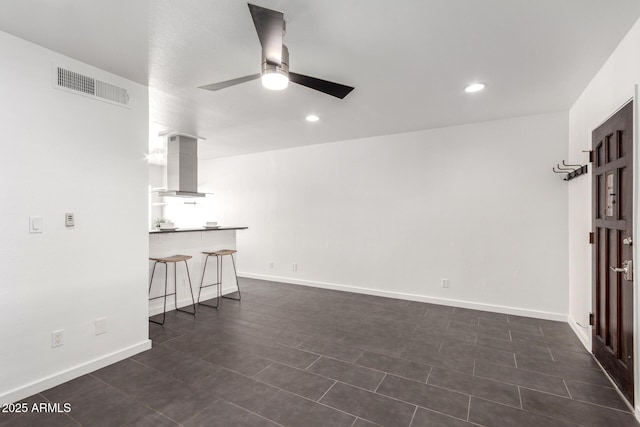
pixel 192 242
pixel 183 230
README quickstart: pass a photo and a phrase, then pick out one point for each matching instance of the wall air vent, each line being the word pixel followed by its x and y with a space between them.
pixel 81 84
pixel 76 81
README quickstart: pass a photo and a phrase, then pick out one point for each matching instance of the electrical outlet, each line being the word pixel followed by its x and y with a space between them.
pixel 294 267
pixel 101 326
pixel 57 338
pixel 271 264
pixel 444 283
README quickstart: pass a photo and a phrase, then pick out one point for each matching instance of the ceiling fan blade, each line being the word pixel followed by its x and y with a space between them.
pixel 330 88
pixel 269 26
pixel 222 85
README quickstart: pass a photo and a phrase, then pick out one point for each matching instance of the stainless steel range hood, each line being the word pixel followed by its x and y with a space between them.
pixel 182 166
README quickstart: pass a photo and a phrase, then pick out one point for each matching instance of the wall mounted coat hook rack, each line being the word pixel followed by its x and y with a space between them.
pixel 571 171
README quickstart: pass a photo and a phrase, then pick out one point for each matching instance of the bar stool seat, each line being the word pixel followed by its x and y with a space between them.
pixel 222 252
pixel 174 259
pixel 219 254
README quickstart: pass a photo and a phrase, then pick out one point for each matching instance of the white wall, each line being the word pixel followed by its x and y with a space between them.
pixel 612 87
pixel 67 153
pixel 392 215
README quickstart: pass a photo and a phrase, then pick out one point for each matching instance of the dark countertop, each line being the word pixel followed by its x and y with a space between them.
pixel 183 230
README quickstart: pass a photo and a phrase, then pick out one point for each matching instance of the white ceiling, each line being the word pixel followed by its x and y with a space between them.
pixel 409 60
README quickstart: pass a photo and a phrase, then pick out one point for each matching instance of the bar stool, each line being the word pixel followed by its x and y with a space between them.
pixel 219 256
pixel 175 259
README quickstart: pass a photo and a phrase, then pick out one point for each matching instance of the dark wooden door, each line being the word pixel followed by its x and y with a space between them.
pixel 612 222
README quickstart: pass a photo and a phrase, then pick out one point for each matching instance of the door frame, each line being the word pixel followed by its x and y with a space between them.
pixel 635 250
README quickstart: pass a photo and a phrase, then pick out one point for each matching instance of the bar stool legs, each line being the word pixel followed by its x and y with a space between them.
pixel 217 283
pixel 235 273
pixel 164 310
pixel 175 296
pixel 219 256
pixel 166 261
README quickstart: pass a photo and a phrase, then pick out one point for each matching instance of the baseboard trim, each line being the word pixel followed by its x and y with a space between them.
pixel 72 373
pixel 157 306
pixel 580 332
pixel 413 297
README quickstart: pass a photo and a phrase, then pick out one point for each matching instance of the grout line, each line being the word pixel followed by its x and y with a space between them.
pixel 429 375
pixel 474 367
pixel 261 370
pixel 413 331
pixel 45 399
pixel 299 395
pixel 520 397
pixel 250 411
pixel 313 363
pixel 541 331
pixel 325 393
pixel 542 391
pixel 628 411
pixel 355 361
pixel 197 413
pixel 132 398
pixel 553 359
pixel 510 336
pixel 413 416
pixel 515 360
pixel 567 387
pixel 380 383
pixel 469 408
pixel 448 324
pixel 448 415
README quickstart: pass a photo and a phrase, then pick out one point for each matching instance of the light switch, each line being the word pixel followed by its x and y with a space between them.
pixel 69 219
pixel 35 224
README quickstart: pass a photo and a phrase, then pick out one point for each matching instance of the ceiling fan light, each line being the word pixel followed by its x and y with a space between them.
pixel 275 80
pixel 474 87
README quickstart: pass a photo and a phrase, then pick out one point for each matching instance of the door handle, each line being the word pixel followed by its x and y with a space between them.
pixel 627 269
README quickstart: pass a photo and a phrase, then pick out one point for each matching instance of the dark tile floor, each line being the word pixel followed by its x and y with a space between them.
pixel 296 356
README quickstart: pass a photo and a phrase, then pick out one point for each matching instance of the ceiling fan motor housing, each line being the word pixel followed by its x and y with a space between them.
pixel 283 68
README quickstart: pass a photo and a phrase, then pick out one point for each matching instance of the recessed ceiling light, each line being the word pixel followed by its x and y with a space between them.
pixel 474 87
pixel 312 118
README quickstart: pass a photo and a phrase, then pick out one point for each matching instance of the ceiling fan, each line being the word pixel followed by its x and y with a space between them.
pixel 275 73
